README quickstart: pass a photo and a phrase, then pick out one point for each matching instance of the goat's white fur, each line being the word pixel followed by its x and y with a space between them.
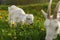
pixel 51 24
pixel 17 15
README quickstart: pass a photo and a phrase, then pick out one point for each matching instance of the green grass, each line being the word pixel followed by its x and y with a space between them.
pixel 24 32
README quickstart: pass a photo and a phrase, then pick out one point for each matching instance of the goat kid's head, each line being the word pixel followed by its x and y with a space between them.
pixel 13 7
pixel 29 18
pixel 51 23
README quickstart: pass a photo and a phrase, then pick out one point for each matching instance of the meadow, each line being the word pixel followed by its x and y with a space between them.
pixel 24 32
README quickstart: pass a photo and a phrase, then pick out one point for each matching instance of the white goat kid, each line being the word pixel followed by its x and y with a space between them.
pixel 17 15
pixel 51 24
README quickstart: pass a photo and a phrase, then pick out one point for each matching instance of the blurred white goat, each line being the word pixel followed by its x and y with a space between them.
pixel 52 23
pixel 17 15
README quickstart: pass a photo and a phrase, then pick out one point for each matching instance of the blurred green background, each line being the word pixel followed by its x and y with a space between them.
pixel 24 32
pixel 23 2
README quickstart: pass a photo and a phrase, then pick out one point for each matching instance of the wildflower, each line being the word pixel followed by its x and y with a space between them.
pixel 0 17
pixel 12 24
pixel 42 29
pixel 9 34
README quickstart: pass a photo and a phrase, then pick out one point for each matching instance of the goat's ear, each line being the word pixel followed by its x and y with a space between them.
pixel 44 13
pixel 49 9
pixel 56 10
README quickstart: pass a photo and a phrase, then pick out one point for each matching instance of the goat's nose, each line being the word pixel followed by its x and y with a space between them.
pixel 31 24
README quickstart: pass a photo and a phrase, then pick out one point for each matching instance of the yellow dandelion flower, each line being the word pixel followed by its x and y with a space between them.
pixel 42 29
pixel 12 23
pixel 0 17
